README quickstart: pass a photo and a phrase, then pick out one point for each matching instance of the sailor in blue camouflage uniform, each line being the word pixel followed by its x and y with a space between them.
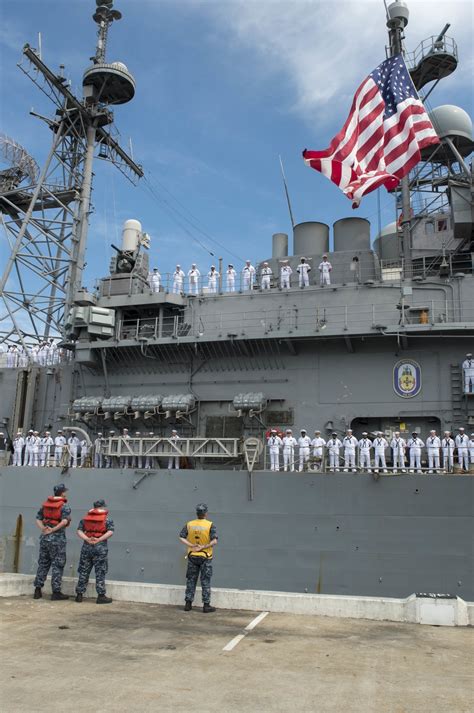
pixel 52 519
pixel 199 536
pixel 94 529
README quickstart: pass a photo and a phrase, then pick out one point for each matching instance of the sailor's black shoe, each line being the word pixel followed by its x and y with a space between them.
pixel 102 599
pixel 58 596
pixel 78 598
pixel 207 608
pixel 38 593
pixel 188 605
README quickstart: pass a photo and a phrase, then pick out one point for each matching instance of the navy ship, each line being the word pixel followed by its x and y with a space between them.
pixel 378 348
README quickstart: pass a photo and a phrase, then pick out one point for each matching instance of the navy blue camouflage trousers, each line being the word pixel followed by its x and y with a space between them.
pixel 198 566
pixel 92 556
pixel 52 554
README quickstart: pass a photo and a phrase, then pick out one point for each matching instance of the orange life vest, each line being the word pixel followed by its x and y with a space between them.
pixel 52 509
pixel 95 522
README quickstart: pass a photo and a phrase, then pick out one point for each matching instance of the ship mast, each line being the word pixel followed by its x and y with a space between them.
pixel 46 222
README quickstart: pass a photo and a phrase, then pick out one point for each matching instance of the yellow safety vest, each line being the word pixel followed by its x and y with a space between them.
pixel 199 533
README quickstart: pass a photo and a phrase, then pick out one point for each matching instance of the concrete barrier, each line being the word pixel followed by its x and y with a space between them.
pixel 426 609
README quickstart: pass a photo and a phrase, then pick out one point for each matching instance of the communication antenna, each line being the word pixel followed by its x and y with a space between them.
pixel 45 214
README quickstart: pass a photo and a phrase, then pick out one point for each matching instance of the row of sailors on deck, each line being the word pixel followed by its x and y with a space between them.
pixel 248 277
pixel 45 353
pixel 351 447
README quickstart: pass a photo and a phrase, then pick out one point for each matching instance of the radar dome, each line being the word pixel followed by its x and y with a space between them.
pixel 451 121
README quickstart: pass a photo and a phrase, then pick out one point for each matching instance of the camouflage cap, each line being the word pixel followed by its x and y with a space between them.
pixel 99 503
pixel 201 508
pixel 59 489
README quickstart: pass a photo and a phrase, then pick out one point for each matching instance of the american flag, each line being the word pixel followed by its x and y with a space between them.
pixel 382 137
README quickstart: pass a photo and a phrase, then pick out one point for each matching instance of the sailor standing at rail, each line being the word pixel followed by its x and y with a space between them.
pixel 447 444
pixel 193 278
pixel 230 274
pixel 154 280
pixel 28 456
pixel 45 448
pixel 415 444
pixel 285 275
pixel 289 445
pixel 461 442
pixel 468 371
pixel 174 459
pixel 98 452
pixel 333 446
pixel 304 443
pixel 248 276
pixel 274 445
pixel 398 445
pixel 18 445
pixel 325 268
pixel 84 452
pixel 471 449
pixel 59 443
pixel 349 443
pixel 303 270
pixel 73 443
pixel 212 277
pixel 124 459
pixel 433 444
pixel 178 280
pixel 365 444
pixel 317 445
pixel 149 461
pixel 35 449
pixel 380 444
pixel 266 276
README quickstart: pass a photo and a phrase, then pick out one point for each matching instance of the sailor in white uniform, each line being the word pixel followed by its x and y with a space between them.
pixel 461 442
pixel 18 444
pixel 285 275
pixel 433 444
pixel 398 446
pixel 98 451
pixel 303 270
pixel 178 280
pixel 380 444
pixel 289 445
pixel 470 446
pixel 174 459
pixel 29 441
pixel 447 444
pixel 45 448
pixel 248 276
pixel 212 277
pixel 137 460
pixel 333 446
pixel 230 278
pixel 468 372
pixel 266 276
pixel 149 460
pixel 274 445
pixel 59 443
pixel 349 443
pixel 84 452
pixel 35 449
pixel 154 280
pixel 73 443
pixel 304 443
pixel 318 444
pixel 415 444
pixel 125 459
pixel 193 278
pixel 325 268
pixel 365 444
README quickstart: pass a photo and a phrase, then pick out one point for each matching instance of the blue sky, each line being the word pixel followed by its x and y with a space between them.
pixel 223 88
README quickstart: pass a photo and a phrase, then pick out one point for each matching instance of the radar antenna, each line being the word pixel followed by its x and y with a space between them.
pixel 46 220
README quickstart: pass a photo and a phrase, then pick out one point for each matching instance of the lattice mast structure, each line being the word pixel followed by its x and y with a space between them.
pixel 45 213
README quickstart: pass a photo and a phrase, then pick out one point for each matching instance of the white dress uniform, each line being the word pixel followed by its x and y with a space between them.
pixel 415 444
pixel 73 443
pixel 304 443
pixel 349 444
pixel 317 445
pixel 398 445
pixel 289 445
pixel 365 444
pixel 59 443
pixel 193 278
pixel 447 444
pixel 468 372
pixel 333 446
pixel 18 444
pixel 461 442
pixel 230 279
pixel 212 277
pixel 174 459
pixel 380 444
pixel 178 281
pixel 303 270
pixel 248 277
pixel 84 452
pixel 325 268
pixel 98 452
pixel 154 280
pixel 149 460
pixel 471 449
pixel 274 445
pixel 23 357
pixel 285 277
pixel 29 442
pixel 125 459
pixel 45 449
pixel 433 444
pixel 266 276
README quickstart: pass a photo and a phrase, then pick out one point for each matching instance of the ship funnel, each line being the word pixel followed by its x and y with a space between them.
pixel 351 234
pixel 310 238
pixel 279 245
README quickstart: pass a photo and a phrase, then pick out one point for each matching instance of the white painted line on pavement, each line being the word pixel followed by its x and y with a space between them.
pixel 237 639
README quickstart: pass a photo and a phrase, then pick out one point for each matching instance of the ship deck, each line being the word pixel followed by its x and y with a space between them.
pixel 145 657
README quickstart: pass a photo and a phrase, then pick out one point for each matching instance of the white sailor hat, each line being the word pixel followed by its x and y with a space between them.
pixel 317 431
pixel 324 256
pixel 155 269
pixel 273 430
pixel 174 430
pixel 469 354
pixel 365 433
pixel 265 263
pixel 303 430
pixel 288 430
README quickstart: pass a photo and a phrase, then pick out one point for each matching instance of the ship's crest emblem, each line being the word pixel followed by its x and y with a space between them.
pixel 407 378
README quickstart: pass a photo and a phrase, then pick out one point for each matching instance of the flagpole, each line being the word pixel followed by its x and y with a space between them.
pixel 287 194
pixel 397 20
